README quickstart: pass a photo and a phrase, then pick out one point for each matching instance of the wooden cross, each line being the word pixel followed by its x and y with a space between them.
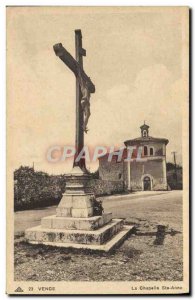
pixel 76 66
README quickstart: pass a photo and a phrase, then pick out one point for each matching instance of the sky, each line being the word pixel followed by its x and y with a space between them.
pixel 135 57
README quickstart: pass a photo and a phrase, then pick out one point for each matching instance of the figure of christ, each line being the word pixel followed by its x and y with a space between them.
pixel 85 101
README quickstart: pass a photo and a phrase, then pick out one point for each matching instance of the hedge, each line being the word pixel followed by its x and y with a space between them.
pixel 34 189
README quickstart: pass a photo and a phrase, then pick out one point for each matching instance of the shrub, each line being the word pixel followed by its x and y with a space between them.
pixel 36 189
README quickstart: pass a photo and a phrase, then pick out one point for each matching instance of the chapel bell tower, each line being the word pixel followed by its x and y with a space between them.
pixel 144 130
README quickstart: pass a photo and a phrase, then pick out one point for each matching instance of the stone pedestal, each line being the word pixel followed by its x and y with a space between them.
pixel 74 225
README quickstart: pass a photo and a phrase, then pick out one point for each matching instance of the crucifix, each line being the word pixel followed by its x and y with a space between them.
pixel 84 87
pixel 79 221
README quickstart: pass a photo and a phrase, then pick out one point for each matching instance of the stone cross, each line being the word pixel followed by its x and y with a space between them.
pixel 84 87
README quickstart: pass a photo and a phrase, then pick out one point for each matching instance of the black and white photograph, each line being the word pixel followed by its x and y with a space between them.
pixel 97 150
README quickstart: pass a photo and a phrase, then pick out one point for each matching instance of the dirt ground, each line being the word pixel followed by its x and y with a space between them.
pixel 145 255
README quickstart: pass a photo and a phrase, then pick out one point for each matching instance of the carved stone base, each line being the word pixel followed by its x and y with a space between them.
pixel 76 206
pixel 91 223
pixel 77 201
pixel 74 224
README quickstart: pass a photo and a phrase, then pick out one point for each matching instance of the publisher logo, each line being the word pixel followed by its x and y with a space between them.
pixel 19 290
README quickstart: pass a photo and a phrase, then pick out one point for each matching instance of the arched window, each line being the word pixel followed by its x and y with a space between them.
pixel 145 150
pixel 144 133
pixel 151 151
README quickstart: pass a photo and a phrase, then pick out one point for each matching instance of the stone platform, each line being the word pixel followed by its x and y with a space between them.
pixel 74 225
pixel 100 233
pixel 117 240
pixel 89 223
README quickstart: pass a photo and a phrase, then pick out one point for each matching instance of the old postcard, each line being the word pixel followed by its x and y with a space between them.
pixel 97 150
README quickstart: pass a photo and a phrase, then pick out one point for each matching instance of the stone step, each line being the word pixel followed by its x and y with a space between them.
pixel 114 242
pixel 91 223
pixel 96 237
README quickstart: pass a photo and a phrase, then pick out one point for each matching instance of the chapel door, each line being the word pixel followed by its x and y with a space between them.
pixel 147 184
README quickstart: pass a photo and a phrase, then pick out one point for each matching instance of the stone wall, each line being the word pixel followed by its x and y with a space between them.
pixel 106 187
pixel 112 170
pixel 151 167
pixel 148 165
